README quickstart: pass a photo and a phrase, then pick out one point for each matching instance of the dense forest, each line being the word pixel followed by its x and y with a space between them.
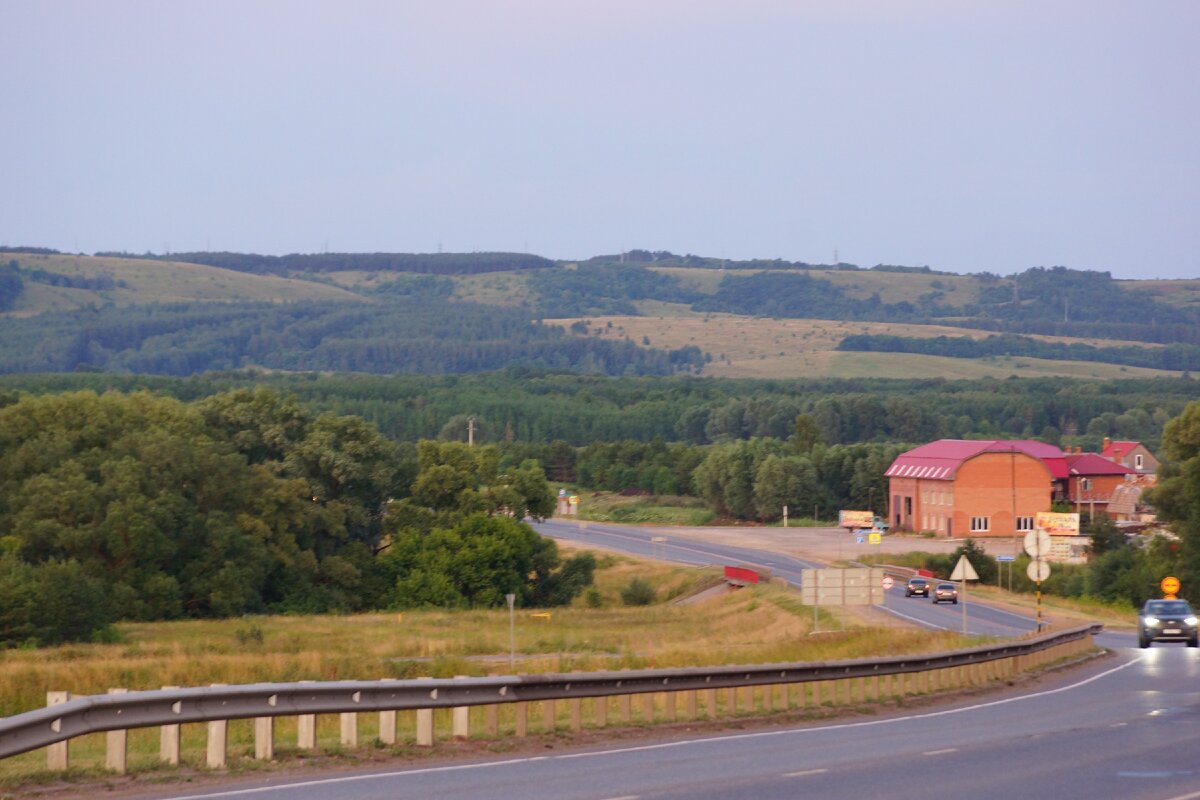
pixel 412 331
pixel 1172 356
pixel 139 506
pixel 535 406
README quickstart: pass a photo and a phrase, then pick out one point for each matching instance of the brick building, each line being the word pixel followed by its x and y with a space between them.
pixel 1092 481
pixel 957 487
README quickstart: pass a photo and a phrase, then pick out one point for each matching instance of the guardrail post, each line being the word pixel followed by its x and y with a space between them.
pixel 691 705
pixel 168 740
pixel 57 755
pixel 549 721
pixel 710 702
pixel 218 741
pixel 460 719
pixel 116 745
pixel 306 730
pixel 731 701
pixel 601 712
pixel 349 728
pixel 264 738
pixel 387 726
pixel 648 707
pixel 626 705
pixel 424 725
pixel 576 714
pixel 522 722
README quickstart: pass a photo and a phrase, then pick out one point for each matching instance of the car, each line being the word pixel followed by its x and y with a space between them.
pixel 917 586
pixel 1167 621
pixel 946 592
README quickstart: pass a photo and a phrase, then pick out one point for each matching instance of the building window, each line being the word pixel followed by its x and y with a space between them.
pixel 1024 524
pixel 1137 461
pixel 979 524
pixel 1085 484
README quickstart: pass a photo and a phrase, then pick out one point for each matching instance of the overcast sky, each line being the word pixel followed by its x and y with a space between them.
pixel 966 136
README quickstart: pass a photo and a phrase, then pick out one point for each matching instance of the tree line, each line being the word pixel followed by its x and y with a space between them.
pixel 140 506
pixel 1172 356
pixel 421 331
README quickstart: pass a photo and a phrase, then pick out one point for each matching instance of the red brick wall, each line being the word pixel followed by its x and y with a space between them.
pixel 991 484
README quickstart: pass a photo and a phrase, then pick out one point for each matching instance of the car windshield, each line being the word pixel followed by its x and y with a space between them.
pixel 1168 607
pixel 949 586
pixel 917 581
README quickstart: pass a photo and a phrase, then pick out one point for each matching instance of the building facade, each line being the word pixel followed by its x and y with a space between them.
pixel 960 488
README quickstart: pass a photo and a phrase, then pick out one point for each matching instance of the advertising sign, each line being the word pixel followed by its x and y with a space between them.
pixel 1057 524
pixel 856 519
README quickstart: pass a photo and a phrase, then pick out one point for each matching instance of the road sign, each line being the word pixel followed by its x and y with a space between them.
pixel 1170 585
pixel 859 539
pixel 1038 570
pixel 1006 558
pixel 887 582
pixel 963 571
pixel 1037 544
pixel 875 537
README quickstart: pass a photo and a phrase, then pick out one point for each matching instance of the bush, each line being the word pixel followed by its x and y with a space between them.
pixel 639 592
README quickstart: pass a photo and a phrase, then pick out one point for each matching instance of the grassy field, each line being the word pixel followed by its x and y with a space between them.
pixel 149 282
pixel 643 509
pixel 760 624
pixel 744 347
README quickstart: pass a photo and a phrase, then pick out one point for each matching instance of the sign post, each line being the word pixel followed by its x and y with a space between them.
pixel 1037 545
pixel 512 632
pixel 963 571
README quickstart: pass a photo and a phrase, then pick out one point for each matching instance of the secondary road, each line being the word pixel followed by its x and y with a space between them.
pixel 1120 728
pixel 674 545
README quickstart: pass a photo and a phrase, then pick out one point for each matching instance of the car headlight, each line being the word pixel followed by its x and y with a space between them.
pixel 1150 621
pixel 1191 622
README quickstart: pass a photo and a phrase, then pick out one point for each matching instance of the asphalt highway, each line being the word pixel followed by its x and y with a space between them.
pixel 981 619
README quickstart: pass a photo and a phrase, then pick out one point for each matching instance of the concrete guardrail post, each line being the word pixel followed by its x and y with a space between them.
pixel 57 755
pixel 460 719
pixel 264 738
pixel 576 714
pixel 648 707
pixel 168 739
pixel 348 724
pixel 691 704
pixel 425 723
pixel 549 720
pixel 710 703
pixel 306 730
pixel 601 712
pixel 626 705
pixel 116 746
pixel 218 741
pixel 522 721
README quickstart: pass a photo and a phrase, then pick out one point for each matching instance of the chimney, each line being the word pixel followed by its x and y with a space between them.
pixel 1107 442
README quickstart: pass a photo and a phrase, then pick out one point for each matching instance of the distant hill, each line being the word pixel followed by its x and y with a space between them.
pixel 378 312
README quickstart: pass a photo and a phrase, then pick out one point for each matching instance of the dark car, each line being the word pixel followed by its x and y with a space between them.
pixel 917 586
pixel 1167 621
pixel 946 592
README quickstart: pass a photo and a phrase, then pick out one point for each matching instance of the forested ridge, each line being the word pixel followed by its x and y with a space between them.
pixel 414 332
pixel 431 263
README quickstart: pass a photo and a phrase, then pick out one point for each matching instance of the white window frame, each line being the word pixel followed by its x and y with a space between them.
pixel 980 524
pixel 1024 524
pixel 1138 463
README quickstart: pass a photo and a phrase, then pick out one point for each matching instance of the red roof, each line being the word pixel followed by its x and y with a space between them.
pixel 1125 447
pixel 1092 464
pixel 940 460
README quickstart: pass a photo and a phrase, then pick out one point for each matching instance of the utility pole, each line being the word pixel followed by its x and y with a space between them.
pixel 470 431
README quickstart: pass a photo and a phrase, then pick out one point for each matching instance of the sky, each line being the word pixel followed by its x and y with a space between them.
pixel 964 135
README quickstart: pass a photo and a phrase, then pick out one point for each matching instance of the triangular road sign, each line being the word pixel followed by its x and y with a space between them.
pixel 963 571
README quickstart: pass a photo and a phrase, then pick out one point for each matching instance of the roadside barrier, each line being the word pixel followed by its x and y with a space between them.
pixel 778 686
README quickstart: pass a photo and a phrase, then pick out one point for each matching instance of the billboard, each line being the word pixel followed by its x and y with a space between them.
pixel 856 519
pixel 1057 524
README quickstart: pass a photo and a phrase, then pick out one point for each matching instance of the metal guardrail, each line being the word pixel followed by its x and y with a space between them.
pixel 112 712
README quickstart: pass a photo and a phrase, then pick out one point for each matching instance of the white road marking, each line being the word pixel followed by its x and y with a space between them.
pixel 1191 796
pixel 625 797
pixel 940 752
pixel 804 772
